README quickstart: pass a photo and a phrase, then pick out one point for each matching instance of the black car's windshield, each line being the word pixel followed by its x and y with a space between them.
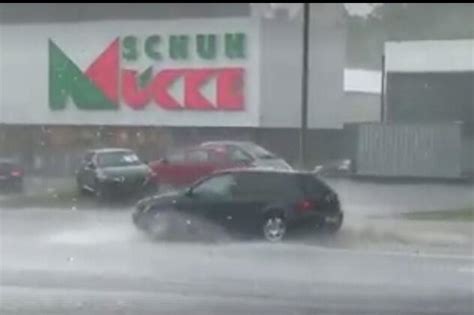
pixel 258 151
pixel 117 159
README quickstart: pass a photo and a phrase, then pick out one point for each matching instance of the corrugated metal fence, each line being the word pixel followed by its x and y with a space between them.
pixel 431 150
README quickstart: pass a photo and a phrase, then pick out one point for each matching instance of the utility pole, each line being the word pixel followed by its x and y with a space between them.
pixel 382 92
pixel 304 86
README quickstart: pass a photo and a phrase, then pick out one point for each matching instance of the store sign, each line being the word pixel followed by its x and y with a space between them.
pixel 114 79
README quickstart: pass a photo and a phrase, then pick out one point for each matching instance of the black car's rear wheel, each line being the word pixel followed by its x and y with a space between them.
pixel 19 187
pixel 274 228
pixel 333 224
pixel 82 191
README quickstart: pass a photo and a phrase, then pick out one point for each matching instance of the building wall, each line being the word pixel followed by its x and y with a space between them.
pixel 337 42
pixel 281 73
pixel 281 61
pixel 279 50
pixel 79 12
pixel 365 106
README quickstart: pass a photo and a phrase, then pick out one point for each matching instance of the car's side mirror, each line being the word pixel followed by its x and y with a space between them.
pixel 165 161
pixel 189 193
pixel 90 165
pixel 317 169
pixel 245 161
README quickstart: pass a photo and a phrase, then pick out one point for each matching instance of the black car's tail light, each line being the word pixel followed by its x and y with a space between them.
pixel 305 206
pixel 16 173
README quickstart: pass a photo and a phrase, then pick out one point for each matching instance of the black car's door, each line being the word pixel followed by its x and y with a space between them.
pixel 210 200
pixel 249 199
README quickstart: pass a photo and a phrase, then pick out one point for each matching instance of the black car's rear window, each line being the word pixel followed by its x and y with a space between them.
pixel 7 166
pixel 313 186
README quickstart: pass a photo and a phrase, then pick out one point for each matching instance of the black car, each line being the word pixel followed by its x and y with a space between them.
pixel 266 203
pixel 114 172
pixel 11 175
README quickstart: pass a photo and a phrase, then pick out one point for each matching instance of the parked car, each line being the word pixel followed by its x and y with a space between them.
pixel 335 168
pixel 114 172
pixel 258 202
pixel 185 167
pixel 11 175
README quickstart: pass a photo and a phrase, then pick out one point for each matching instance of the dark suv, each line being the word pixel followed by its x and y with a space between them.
pixel 113 172
pixel 11 175
pixel 268 203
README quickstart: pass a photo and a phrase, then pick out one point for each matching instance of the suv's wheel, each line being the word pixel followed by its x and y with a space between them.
pixel 101 193
pixel 274 227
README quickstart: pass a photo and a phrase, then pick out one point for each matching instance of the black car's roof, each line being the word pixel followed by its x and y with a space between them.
pixel 226 142
pixel 110 150
pixel 262 170
pixel 9 160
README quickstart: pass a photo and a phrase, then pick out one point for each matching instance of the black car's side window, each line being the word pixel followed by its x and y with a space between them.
pixel 219 188
pixel 266 187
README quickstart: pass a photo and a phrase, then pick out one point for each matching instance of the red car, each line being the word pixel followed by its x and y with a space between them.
pixel 185 167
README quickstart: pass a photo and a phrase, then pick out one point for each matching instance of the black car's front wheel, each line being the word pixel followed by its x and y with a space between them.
pixel 82 190
pixel 274 228
pixel 158 229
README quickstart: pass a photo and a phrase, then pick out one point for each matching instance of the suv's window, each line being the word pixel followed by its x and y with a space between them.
pixel 88 157
pixel 116 159
pixel 219 187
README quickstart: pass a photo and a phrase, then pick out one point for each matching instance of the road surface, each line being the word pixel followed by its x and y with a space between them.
pixel 94 262
pixel 363 197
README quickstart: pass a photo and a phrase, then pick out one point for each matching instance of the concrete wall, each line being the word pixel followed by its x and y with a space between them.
pixel 280 73
pixel 80 12
pixel 281 59
pixel 364 106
